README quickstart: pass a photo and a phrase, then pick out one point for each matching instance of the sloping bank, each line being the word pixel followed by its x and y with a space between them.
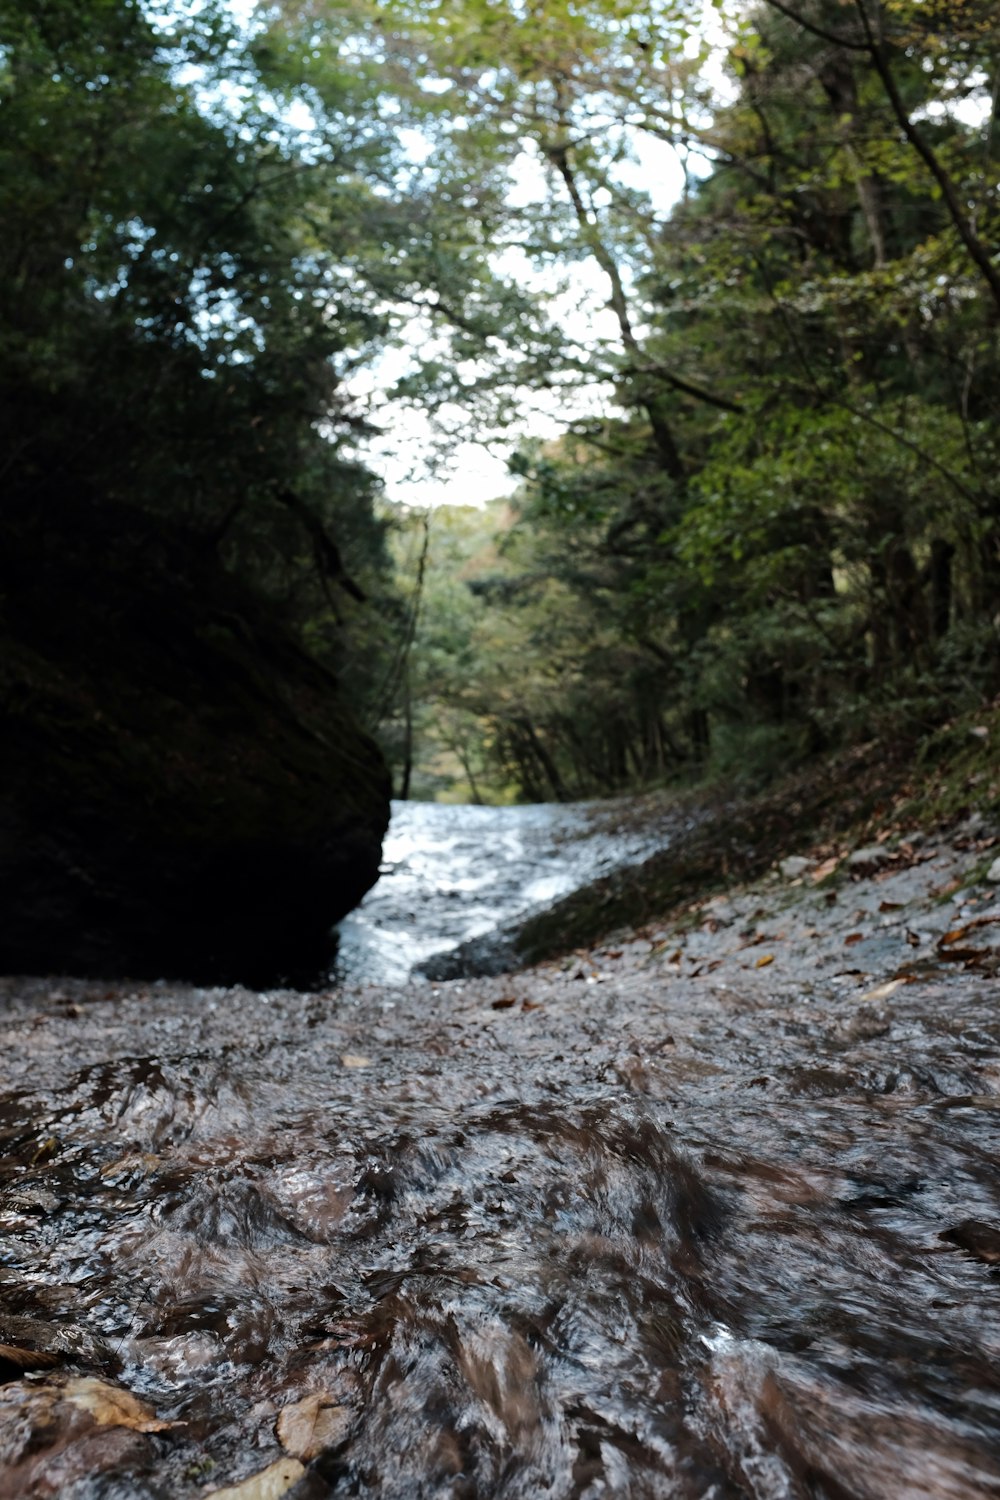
pixel 183 792
pixel 719 839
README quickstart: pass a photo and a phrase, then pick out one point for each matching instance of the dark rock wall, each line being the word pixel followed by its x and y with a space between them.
pixel 183 792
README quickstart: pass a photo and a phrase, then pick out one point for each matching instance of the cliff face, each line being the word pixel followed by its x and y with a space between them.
pixel 183 792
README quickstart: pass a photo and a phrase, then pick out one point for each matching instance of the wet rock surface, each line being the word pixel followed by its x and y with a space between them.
pixel 709 1211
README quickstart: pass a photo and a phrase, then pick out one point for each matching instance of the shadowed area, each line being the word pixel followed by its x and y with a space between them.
pixel 183 791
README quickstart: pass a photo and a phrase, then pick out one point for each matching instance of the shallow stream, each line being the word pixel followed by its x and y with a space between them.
pixel 451 873
pixel 711 1213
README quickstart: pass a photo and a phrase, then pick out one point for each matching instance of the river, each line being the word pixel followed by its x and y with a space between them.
pixel 711 1212
pixel 453 873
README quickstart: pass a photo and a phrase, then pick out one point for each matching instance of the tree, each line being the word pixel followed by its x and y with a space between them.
pixel 790 523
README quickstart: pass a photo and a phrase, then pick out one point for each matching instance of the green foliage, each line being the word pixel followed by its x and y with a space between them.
pixel 783 527
pixel 788 533
pixel 177 294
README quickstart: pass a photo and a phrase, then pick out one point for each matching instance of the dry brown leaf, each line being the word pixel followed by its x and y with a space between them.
pixel 27 1359
pixel 764 960
pixel 137 1161
pixel 505 1003
pixel 853 937
pixel 111 1406
pixel 826 868
pixel 308 1427
pixel 960 932
pixel 270 1484
pixel 355 1060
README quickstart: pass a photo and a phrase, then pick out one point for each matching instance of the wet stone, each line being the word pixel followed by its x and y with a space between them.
pixel 872 857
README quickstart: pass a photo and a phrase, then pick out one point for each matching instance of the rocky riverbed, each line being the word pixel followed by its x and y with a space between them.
pixel 711 1210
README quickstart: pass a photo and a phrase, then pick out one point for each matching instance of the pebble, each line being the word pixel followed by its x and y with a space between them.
pixel 993 873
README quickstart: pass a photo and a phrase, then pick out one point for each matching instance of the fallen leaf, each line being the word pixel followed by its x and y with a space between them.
pixel 764 960
pixel 138 1161
pixel 826 868
pixel 308 1427
pixel 977 1239
pixel 531 1005
pixel 853 937
pixel 269 1484
pixel 882 990
pixel 965 955
pixel 355 1060
pixel 960 932
pixel 15 1361
pixel 505 1003
pixel 885 906
pixel 111 1406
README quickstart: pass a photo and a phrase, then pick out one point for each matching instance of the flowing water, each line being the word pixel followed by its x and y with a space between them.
pixel 713 1213
pixel 450 874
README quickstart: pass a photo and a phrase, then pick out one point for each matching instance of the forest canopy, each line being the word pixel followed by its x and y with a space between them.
pixel 781 532
pixel 770 521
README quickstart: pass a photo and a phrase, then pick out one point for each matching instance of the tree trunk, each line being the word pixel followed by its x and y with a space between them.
pixel 404 787
pixel 942 553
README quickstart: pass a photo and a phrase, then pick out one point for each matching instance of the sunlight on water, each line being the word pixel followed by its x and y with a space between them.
pixel 451 873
